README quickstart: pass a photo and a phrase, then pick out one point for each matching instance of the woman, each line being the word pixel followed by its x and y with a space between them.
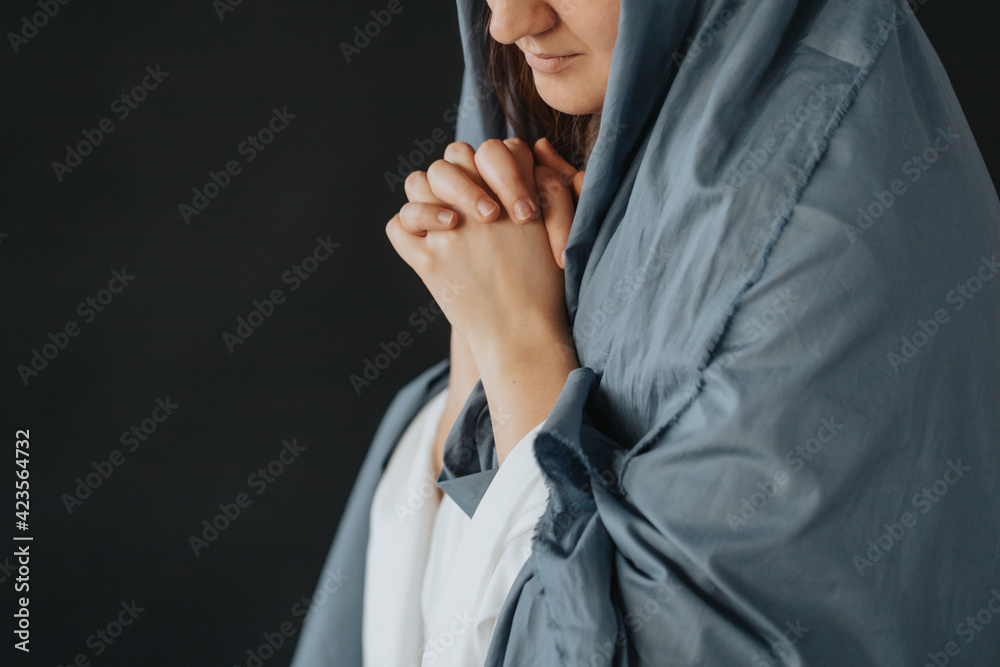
pixel 776 440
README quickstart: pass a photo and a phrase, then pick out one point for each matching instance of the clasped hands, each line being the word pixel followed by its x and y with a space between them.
pixel 485 230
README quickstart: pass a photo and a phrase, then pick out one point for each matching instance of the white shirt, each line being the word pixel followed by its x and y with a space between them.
pixel 436 579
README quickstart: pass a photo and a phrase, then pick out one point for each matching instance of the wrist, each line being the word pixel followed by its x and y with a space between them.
pixel 528 347
pixel 535 364
pixel 522 382
pixel 463 373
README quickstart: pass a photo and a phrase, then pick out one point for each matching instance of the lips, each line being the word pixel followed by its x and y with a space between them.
pixel 548 63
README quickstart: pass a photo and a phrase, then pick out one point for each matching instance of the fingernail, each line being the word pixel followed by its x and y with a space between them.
pixel 445 218
pixel 486 207
pixel 524 209
pixel 564 259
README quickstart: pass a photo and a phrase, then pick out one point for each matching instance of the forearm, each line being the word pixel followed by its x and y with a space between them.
pixel 462 377
pixel 522 384
pixel 463 374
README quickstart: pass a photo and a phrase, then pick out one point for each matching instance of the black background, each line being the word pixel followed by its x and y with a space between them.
pixel 162 336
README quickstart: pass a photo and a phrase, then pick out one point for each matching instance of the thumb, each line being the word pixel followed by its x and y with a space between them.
pixel 557 209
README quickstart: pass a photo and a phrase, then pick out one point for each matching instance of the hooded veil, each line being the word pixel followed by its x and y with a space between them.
pixel 782 278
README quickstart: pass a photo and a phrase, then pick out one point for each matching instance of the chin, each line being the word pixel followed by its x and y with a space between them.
pixel 566 97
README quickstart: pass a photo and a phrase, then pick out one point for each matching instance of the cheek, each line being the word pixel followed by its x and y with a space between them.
pixel 597 24
pixel 598 30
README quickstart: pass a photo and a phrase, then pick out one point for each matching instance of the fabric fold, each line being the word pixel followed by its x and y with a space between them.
pixel 470 459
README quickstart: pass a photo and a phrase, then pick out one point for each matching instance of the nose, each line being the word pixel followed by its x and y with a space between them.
pixel 511 20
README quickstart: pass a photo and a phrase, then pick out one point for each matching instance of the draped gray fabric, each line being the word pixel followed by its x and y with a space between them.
pixel 782 445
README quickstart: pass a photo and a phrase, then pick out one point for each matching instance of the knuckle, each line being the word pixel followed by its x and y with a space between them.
pixel 491 147
pixel 439 172
pixel 407 214
pixel 517 145
pixel 492 144
pixel 413 182
pixel 435 169
pixel 458 149
pixel 414 219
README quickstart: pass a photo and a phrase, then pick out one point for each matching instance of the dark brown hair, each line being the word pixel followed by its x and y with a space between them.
pixel 528 114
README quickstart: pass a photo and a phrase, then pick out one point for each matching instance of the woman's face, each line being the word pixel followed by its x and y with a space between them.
pixel 567 43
